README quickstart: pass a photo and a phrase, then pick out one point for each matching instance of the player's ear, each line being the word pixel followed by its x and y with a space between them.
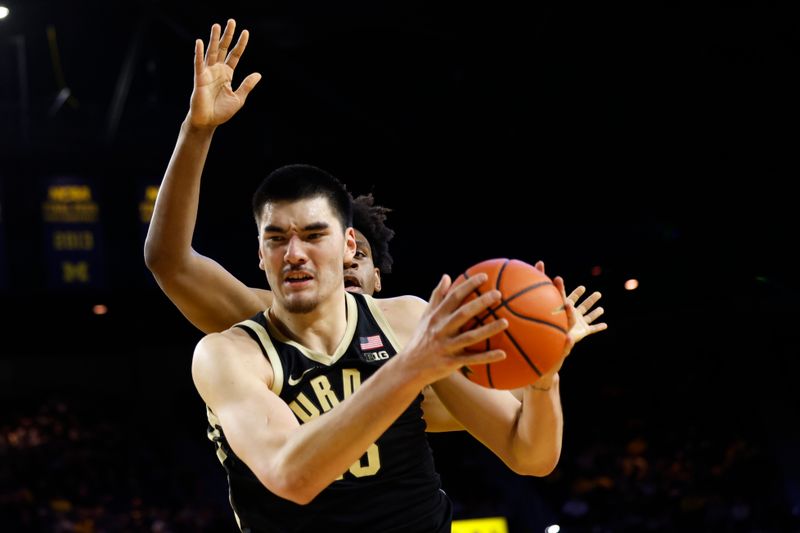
pixel 349 245
pixel 377 275
pixel 260 257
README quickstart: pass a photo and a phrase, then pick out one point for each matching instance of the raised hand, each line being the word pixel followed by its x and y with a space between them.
pixel 579 317
pixel 581 323
pixel 213 100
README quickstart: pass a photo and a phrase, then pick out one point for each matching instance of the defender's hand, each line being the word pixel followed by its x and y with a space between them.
pixel 213 100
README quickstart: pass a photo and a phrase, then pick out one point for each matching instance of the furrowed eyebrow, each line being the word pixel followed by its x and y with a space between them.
pixel 315 226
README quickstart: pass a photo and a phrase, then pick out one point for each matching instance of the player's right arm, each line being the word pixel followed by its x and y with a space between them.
pixel 207 294
pixel 298 461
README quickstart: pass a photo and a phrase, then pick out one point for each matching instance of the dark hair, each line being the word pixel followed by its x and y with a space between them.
pixel 299 182
pixel 369 219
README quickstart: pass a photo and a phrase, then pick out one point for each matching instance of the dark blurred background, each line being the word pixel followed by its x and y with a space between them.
pixel 653 141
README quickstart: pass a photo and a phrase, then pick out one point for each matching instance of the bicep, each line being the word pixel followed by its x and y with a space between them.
pixel 209 296
pixel 232 378
pixel 256 426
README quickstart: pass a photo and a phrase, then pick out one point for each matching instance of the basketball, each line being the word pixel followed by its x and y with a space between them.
pixel 537 324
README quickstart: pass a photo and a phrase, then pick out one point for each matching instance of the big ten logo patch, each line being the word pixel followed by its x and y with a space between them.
pixel 371 357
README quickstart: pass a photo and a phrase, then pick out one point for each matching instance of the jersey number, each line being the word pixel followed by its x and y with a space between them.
pixel 373 463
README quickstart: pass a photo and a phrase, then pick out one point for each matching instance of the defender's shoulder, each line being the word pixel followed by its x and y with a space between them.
pixel 406 305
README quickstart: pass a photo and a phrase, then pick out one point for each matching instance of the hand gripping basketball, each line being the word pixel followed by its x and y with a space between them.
pixel 537 332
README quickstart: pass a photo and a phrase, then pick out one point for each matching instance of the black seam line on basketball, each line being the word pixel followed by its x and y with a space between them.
pixel 505 302
pixel 480 320
pixel 500 274
pixel 517 346
pixel 497 286
pixel 526 289
pixel 537 321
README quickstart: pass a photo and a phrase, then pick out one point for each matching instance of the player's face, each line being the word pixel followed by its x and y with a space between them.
pixel 303 248
pixel 361 275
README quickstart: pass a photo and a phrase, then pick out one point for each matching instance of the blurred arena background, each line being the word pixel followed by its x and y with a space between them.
pixel 615 142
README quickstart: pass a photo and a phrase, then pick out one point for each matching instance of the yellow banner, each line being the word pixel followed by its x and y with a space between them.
pixel 481 525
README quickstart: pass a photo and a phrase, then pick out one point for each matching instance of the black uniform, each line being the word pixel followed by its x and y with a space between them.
pixel 392 488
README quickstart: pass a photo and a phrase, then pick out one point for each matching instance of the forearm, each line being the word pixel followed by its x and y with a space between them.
pixel 540 427
pixel 525 434
pixel 169 236
pixel 321 450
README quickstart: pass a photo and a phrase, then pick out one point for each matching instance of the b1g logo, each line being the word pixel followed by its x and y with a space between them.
pixel 371 357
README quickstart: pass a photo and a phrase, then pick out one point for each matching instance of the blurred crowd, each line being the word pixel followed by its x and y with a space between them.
pixel 71 466
pixel 76 465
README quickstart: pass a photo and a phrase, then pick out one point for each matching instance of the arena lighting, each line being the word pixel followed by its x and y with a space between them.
pixel 4 11
pixel 100 309
pixel 555 528
pixel 632 284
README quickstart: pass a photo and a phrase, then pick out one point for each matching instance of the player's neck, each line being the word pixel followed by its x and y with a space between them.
pixel 320 330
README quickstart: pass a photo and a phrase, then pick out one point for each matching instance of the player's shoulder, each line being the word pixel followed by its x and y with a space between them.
pixel 224 363
pixel 228 338
pixel 224 351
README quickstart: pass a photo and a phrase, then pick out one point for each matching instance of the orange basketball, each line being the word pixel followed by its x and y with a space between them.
pixel 537 330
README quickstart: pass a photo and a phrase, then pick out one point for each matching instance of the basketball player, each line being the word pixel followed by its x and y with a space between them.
pixel 308 360
pixel 351 369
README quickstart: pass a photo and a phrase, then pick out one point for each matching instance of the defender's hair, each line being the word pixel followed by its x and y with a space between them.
pixel 370 219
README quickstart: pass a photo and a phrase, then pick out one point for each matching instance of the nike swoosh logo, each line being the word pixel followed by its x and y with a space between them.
pixel 293 381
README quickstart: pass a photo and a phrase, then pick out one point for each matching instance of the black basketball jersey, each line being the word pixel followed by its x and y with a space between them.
pixel 392 488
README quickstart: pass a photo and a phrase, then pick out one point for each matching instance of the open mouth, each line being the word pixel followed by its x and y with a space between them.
pixel 351 284
pixel 296 278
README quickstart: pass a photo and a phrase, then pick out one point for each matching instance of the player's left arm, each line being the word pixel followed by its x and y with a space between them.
pixel 525 428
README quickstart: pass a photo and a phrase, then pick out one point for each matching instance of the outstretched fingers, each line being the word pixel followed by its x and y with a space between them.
pixel 589 302
pixel 572 314
pixel 558 281
pixel 225 41
pixel 594 315
pixel 247 85
pixel 213 45
pixel 233 57
pixel 576 294
pixel 198 57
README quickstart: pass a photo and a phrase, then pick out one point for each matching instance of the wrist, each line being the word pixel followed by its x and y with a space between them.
pixel 197 129
pixel 545 383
